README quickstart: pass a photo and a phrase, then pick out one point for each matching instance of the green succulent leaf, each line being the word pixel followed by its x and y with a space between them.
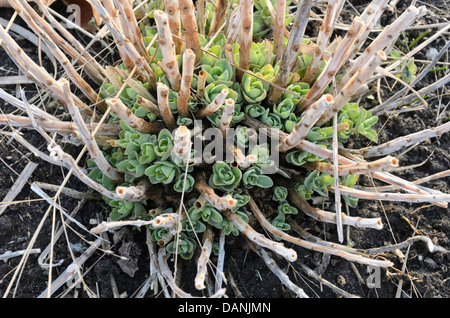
pixel 225 177
pixel 162 172
pixel 188 183
pixel 254 177
pixel 285 208
pixel 280 193
pixel 184 246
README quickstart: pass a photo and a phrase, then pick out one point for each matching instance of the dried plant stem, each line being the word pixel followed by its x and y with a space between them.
pixel 272 265
pixel 125 114
pixel 235 26
pixel 226 117
pixel 241 160
pixel 292 49
pixel 39 75
pixel 186 79
pixel 172 8
pixel 61 127
pixel 309 118
pixel 202 262
pixel 337 181
pixel 259 239
pixel 169 62
pixel 340 56
pixel 310 245
pixel 327 154
pixel 163 105
pixel 201 16
pixel 384 164
pixel 168 220
pixel 201 83
pixel 190 28
pixel 219 14
pixel 75 50
pixel 246 35
pixel 92 146
pixel 131 28
pixel 182 143
pixel 383 40
pixel 326 29
pixel 353 85
pixel 330 217
pixel 387 196
pixel 218 101
pixel 220 203
pixel 278 33
pixel 404 141
pixel 134 193
pixel 126 49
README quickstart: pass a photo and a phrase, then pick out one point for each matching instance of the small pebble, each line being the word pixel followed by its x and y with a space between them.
pixel 431 53
pixel 430 263
pixel 341 280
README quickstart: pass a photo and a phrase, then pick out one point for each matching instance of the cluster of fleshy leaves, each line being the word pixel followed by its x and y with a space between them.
pixel 140 155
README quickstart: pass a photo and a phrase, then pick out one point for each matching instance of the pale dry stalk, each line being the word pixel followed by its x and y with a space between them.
pixel 339 57
pixel 133 193
pixel 349 90
pixel 172 8
pixel 404 141
pixel 289 57
pixel 383 40
pixel 227 116
pixel 278 32
pixel 220 203
pixel 259 239
pixel 92 146
pixel 219 14
pixel 91 66
pixel 246 35
pixel 325 31
pixel 190 28
pixel 186 79
pixel 39 75
pixel 384 164
pixel 163 105
pixel 234 27
pixel 240 159
pixel 311 245
pixel 182 143
pixel 167 47
pixel 202 262
pixel 125 114
pixel 309 118
pixel 330 217
pixel 218 101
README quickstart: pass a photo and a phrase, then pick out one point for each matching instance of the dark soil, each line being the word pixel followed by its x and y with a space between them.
pixel 426 276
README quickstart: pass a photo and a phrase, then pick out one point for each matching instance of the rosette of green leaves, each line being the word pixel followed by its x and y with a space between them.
pixel 284 108
pixel 187 183
pixel 241 137
pixel 255 110
pixel 260 55
pixel 285 208
pixel 280 223
pixel 159 233
pixel 361 121
pixel 262 153
pixel 213 89
pixel 183 246
pixel 253 176
pixel 272 119
pixel 184 121
pixel 253 89
pixel 123 209
pixel 300 157
pixel 230 228
pixel 207 213
pixel 225 177
pixel 163 145
pixel 98 176
pixel 132 167
pixel 350 181
pixel 279 193
pixel 300 89
pixel 318 182
pixel 290 122
pixel 304 192
pixel 163 171
pixel 220 72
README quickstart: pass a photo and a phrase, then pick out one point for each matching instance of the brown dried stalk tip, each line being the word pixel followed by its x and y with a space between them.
pixel 214 106
pixel 190 27
pixel 167 46
pixel 125 114
pixel 186 79
pixel 162 92
pixel 246 35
